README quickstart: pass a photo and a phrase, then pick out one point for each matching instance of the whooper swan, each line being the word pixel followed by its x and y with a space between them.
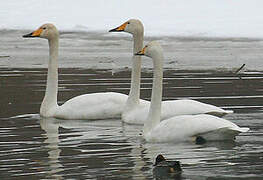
pixel 87 106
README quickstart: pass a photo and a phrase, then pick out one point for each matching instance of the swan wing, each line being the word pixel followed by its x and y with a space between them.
pixel 93 106
pixel 170 109
pixel 137 114
pixel 185 127
pixel 190 107
pixel 225 133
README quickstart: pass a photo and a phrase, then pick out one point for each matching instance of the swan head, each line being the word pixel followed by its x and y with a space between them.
pixel 151 49
pixel 47 31
pixel 132 26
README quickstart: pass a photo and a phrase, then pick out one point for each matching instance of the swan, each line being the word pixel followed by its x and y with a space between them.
pixel 135 111
pixel 87 106
pixel 184 127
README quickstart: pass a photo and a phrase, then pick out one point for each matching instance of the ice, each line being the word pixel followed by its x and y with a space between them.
pixel 201 18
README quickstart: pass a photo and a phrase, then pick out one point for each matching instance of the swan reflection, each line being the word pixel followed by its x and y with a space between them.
pixel 52 141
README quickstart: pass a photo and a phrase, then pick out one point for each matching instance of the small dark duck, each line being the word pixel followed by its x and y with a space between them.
pixel 163 168
pixel 172 166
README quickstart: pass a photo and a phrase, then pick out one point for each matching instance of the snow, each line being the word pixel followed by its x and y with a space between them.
pixel 201 18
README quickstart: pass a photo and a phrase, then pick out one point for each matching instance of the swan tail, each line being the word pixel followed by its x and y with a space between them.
pixel 241 130
pixel 226 133
pixel 220 113
pixel 229 111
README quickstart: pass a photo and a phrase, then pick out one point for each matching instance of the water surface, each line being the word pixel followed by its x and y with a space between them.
pixel 32 147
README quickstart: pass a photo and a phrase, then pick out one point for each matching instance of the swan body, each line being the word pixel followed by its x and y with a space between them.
pixel 97 106
pixel 184 127
pixel 189 127
pixel 136 113
pixel 87 106
pixel 170 108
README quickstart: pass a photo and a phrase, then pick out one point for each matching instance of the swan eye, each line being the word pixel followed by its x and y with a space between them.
pixel 128 23
pixel 44 28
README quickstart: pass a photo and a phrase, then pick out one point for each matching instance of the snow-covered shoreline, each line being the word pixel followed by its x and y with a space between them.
pixel 196 18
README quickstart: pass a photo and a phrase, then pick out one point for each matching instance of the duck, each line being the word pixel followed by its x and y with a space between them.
pixel 87 106
pixel 135 111
pixel 171 166
pixel 184 127
pixel 164 169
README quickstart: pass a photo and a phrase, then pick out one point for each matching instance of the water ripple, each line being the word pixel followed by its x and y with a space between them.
pixel 32 147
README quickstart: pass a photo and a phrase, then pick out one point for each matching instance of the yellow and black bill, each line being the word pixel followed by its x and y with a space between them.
pixel 35 33
pixel 141 52
pixel 120 28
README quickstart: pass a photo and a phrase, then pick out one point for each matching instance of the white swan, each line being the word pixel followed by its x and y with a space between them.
pixel 135 112
pixel 184 127
pixel 87 106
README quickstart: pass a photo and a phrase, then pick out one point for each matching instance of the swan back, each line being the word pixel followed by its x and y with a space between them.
pixel 186 127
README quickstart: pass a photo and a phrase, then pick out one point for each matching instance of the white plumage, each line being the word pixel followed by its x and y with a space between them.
pixel 188 127
pixel 184 127
pixel 135 112
pixel 87 106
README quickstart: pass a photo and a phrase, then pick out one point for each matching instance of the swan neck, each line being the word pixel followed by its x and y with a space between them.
pixel 138 42
pixel 134 94
pixel 50 99
pixel 154 115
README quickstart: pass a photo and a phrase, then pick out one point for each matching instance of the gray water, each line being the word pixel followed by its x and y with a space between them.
pixel 32 147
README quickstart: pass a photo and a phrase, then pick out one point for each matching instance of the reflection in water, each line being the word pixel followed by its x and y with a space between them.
pixel 137 153
pixel 51 128
pixel 191 155
pixel 140 162
pixel 163 174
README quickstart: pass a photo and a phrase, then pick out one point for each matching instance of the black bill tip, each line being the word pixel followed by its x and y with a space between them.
pixel 115 30
pixel 28 35
pixel 139 54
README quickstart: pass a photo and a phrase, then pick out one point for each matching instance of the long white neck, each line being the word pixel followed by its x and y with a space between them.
pixel 49 102
pixel 134 94
pixel 154 115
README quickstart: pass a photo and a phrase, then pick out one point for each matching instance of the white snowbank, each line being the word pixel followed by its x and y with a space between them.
pixel 210 18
